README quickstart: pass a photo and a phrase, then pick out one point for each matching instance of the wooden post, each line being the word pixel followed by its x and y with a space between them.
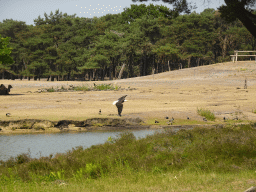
pixel 236 53
pixel 121 71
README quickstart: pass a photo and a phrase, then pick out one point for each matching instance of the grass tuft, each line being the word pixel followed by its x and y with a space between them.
pixel 206 113
pixel 51 90
pixel 95 87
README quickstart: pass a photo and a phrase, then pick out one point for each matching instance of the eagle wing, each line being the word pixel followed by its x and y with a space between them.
pixel 121 99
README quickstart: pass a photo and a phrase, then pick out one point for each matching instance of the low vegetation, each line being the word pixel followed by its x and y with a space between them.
pixel 95 87
pixel 206 113
pixel 197 160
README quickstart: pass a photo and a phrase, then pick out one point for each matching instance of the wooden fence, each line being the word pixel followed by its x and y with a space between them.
pixel 234 57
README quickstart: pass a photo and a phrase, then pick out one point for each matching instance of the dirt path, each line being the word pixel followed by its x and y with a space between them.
pixel 178 94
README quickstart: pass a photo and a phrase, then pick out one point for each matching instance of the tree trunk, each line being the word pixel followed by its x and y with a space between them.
pixel 90 74
pixel 189 60
pixel 144 65
pixel 162 66
pixel 97 74
pixel 198 61
pixel 93 74
pixel 169 66
pixel 224 47
pixel 130 66
pixel 121 71
pixel 102 74
pixel 3 75
pixel 110 72
pixel 245 16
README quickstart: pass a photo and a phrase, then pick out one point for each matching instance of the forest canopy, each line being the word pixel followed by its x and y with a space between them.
pixel 144 38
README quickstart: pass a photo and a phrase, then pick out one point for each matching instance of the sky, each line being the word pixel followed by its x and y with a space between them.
pixel 28 10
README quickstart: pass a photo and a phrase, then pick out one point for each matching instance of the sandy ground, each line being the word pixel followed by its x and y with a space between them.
pixel 218 88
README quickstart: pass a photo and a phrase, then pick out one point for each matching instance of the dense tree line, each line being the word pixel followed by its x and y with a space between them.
pixel 145 38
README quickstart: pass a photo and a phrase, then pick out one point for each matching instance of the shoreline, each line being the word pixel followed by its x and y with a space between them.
pixel 35 126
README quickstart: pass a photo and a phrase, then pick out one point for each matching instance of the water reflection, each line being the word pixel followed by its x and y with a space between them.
pixel 39 145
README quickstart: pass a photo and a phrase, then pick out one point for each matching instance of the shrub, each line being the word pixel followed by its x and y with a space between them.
pixel 125 138
pixel 105 87
pixel 23 158
pixel 81 88
pixel 207 114
pixel 51 90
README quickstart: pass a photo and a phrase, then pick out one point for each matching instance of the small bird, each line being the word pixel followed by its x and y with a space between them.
pixel 156 121
pixel 224 118
pixel 204 119
pixel 236 118
pixel 100 112
pixel 188 118
pixel 119 104
pixel 166 117
pixel 8 114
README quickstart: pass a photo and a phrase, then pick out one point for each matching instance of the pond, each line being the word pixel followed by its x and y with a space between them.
pixel 40 145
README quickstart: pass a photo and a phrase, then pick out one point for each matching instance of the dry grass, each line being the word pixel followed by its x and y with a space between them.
pixel 176 93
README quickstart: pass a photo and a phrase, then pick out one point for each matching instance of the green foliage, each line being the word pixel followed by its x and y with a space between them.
pixel 56 175
pixel 23 158
pixel 150 11
pixel 95 87
pixel 82 88
pixel 51 90
pixel 143 37
pixel 105 87
pixel 5 52
pixel 202 150
pixel 206 113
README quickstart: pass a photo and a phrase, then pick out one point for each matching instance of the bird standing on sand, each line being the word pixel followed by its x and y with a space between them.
pixel 119 104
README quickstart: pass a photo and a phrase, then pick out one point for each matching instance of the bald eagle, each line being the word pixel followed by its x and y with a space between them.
pixel 119 104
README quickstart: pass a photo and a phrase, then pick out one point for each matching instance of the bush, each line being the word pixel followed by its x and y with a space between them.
pixel 226 149
pixel 207 114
